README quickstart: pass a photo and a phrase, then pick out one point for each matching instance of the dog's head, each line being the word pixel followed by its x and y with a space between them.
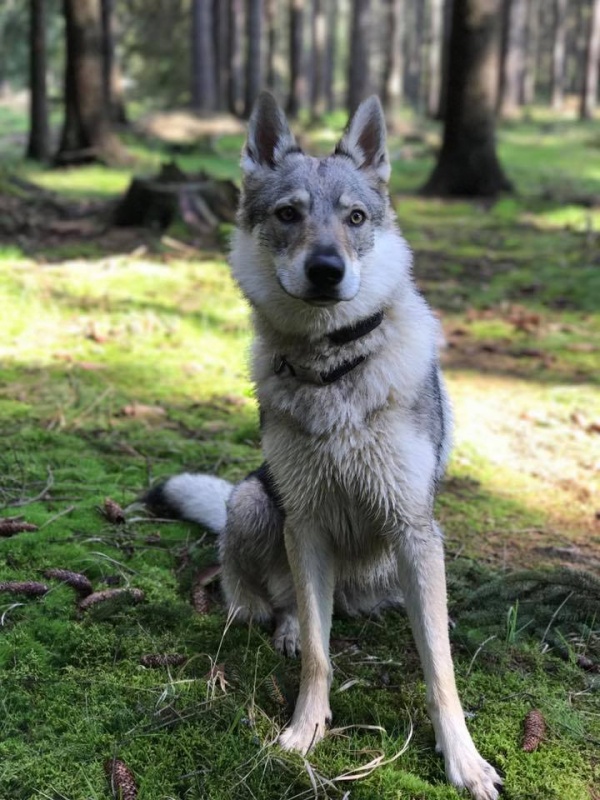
pixel 313 222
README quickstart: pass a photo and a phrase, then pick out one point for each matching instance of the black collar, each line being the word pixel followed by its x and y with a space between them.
pixel 281 366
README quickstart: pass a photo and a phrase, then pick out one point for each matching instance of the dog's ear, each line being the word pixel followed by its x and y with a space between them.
pixel 269 136
pixel 364 139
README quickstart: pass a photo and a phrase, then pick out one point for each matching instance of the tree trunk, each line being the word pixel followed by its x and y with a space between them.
pixel 87 133
pixel 359 83
pixel 319 44
pixel 220 13
pixel 393 69
pixel 468 165
pixel 513 62
pixel 254 22
pixel 113 83
pixel 589 93
pixel 204 95
pixel 331 52
pixel 558 53
pixel 447 30
pixel 236 62
pixel 271 79
pixel 38 146
pixel 435 57
pixel 297 76
pixel 532 52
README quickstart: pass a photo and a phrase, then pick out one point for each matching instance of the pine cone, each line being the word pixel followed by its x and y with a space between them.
pixel 8 527
pixel 133 595
pixel 534 730
pixel 31 588
pixel 113 512
pixel 122 782
pixel 162 660
pixel 200 599
pixel 75 580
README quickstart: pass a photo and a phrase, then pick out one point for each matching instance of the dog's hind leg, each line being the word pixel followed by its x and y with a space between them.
pixel 421 567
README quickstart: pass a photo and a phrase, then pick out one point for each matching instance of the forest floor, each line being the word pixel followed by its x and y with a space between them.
pixel 123 358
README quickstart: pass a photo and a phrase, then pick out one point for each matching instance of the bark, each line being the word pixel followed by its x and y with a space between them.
pixel 330 53
pixel 532 52
pixel 558 53
pixel 271 79
pixel 254 22
pixel 87 134
pixel 359 83
pixel 447 30
pixel 468 165
pixel 393 68
pixel 204 79
pixel 297 73
pixel 513 61
pixel 319 43
pixel 236 64
pixel 221 38
pixel 435 57
pixel 113 83
pixel 38 147
pixel 589 94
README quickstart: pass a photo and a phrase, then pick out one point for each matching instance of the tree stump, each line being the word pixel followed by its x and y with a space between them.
pixel 201 201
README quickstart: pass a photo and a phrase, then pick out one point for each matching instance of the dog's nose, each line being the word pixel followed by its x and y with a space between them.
pixel 325 268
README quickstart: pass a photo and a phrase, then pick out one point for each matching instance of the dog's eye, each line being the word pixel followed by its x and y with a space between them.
pixel 357 217
pixel 287 214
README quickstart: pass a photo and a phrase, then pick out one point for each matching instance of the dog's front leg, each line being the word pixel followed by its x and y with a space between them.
pixel 421 564
pixel 311 563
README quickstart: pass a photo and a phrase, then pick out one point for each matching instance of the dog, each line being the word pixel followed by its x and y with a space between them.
pixel 355 425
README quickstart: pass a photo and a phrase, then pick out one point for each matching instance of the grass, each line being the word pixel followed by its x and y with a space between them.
pixel 116 369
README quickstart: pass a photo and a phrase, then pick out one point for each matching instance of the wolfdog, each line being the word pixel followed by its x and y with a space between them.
pixel 355 424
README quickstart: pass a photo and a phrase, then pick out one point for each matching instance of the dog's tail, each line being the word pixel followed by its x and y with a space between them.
pixel 197 498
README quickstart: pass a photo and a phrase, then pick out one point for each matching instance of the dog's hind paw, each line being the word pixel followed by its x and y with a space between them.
pixel 286 639
pixel 475 775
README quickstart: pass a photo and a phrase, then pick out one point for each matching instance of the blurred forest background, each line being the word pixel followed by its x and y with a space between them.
pixel 123 359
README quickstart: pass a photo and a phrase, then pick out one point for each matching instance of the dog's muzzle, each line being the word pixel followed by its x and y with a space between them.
pixel 325 270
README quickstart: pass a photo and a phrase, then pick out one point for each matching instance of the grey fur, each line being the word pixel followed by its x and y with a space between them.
pixel 344 511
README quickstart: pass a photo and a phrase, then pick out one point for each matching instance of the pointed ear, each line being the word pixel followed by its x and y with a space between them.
pixel 269 136
pixel 364 139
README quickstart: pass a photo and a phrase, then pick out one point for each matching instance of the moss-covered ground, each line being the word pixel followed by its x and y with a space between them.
pixel 124 359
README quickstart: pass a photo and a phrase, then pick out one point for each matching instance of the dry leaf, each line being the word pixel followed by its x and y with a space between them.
pixel 216 674
pixel 142 411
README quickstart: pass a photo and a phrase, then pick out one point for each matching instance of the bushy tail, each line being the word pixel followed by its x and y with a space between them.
pixel 197 498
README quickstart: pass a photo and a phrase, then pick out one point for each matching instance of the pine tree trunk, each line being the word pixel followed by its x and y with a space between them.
pixel 254 22
pixel 393 68
pixel 204 97
pixel 435 57
pixel 468 165
pixel 271 22
pixel 589 94
pixel 113 83
pixel 319 43
pixel 532 52
pixel 330 53
pixel 39 146
pixel 359 83
pixel 558 53
pixel 236 63
pixel 87 133
pixel 513 63
pixel 447 30
pixel 297 76
pixel 220 15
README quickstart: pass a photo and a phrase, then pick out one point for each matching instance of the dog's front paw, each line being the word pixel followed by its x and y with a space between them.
pixel 302 737
pixel 470 771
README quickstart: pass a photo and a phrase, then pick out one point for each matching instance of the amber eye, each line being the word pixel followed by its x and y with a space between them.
pixel 357 217
pixel 287 214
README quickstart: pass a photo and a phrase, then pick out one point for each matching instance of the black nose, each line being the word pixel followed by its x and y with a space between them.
pixel 324 268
